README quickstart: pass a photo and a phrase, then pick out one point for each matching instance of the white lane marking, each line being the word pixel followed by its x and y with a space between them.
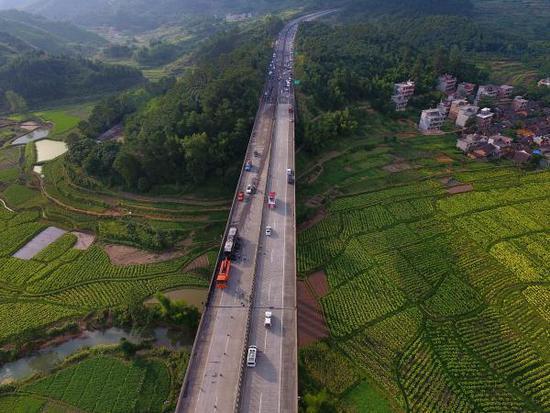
pixel 207 358
pixel 226 344
pixel 260 408
pixel 269 292
pixel 265 340
pixel 271 258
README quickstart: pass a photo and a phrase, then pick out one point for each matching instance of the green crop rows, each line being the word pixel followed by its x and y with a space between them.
pixel 62 282
pixel 107 384
pixel 441 301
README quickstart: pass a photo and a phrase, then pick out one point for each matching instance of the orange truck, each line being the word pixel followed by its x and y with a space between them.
pixel 223 274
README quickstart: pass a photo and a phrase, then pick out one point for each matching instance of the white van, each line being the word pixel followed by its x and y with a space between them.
pixel 251 356
pixel 267 321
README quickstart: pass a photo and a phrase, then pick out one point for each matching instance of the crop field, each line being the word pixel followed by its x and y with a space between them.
pixel 438 302
pixel 98 384
pixel 62 282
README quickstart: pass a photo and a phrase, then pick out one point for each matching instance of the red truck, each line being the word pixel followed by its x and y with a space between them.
pixel 223 274
pixel 271 200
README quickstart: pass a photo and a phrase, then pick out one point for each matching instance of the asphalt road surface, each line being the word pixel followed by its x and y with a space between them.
pixel 262 276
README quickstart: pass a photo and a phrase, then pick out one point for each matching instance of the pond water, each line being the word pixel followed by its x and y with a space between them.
pixel 46 150
pixel 35 135
pixel 46 359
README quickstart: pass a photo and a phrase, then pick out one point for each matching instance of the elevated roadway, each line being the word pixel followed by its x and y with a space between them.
pixel 263 273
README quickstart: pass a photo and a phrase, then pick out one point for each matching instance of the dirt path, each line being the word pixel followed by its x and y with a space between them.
pixel 5 206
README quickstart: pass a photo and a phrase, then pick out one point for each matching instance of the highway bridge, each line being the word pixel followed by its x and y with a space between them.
pixel 263 271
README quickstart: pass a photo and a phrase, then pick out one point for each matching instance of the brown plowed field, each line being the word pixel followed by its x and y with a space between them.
pixel 311 322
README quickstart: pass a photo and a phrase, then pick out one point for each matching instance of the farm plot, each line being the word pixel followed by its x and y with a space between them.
pixel 440 300
pixel 107 384
pixel 40 242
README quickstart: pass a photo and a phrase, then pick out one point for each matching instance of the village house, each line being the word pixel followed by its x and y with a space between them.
pixel 455 107
pixel 519 104
pixel 484 119
pixel 465 89
pixel 465 113
pixel 521 157
pixel 431 121
pixel 486 91
pixel 544 82
pixel 447 84
pixel 468 142
pixel 401 94
pixel 485 151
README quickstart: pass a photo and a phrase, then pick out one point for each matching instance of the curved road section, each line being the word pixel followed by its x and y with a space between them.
pixel 263 272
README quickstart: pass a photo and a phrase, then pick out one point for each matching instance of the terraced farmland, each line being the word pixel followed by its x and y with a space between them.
pixel 439 301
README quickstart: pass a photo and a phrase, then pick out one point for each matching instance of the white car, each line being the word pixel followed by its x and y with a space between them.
pixel 267 321
pixel 268 230
pixel 249 189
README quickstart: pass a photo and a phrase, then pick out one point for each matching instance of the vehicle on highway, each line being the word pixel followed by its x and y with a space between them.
pixel 289 172
pixel 267 320
pixel 223 274
pixel 231 242
pixel 240 196
pixel 268 230
pixel 251 356
pixel 248 165
pixel 290 179
pixel 271 200
pixel 250 189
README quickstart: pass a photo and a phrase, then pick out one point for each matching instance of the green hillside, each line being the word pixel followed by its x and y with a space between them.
pixel 52 37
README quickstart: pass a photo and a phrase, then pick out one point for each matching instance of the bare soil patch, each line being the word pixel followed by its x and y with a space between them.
pixel 38 243
pixel 319 284
pixel 442 158
pixel 311 322
pixel 125 255
pixel 199 262
pixel 397 167
pixel 83 240
pixel 459 189
pixel 319 216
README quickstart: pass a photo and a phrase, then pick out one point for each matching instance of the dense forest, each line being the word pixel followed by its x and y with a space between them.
pixel 41 78
pixel 199 128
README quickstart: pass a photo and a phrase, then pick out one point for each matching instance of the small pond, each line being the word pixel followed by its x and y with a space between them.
pixel 35 135
pixel 46 359
pixel 46 150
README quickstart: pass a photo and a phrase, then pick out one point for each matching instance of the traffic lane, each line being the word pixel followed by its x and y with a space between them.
pixel 263 383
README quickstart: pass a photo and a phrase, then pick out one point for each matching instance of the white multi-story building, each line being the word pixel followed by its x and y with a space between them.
pixel 401 94
pixel 465 113
pixel 431 121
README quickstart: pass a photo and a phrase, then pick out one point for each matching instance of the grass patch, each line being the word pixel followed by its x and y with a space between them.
pixel 365 398
pixel 21 196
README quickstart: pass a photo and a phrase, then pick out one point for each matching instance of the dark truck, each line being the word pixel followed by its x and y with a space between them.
pixel 290 176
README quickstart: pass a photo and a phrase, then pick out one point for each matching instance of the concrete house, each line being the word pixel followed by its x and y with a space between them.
pixel 431 121
pixel 465 113
pixel 446 83
pixel 401 94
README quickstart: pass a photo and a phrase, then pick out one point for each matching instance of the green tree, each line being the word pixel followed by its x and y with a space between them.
pixel 197 156
pixel 16 102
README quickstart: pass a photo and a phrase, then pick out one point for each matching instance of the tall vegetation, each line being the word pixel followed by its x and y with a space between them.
pixel 199 128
